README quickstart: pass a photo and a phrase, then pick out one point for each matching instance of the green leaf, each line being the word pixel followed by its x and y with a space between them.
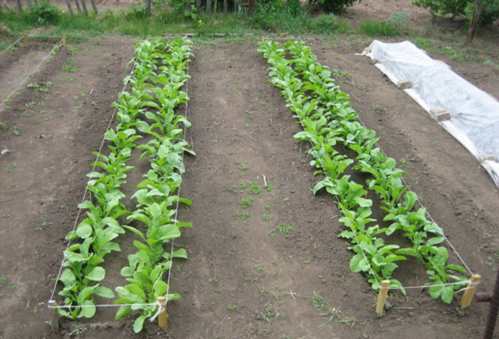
pixel 180 253
pixel 358 263
pixel 67 277
pixel 447 294
pixel 136 232
pixel 97 274
pixel 173 296
pixel 84 230
pixel 122 312
pixel 364 202
pixel 104 292
pixel 435 241
pixel 138 324
pixel 87 310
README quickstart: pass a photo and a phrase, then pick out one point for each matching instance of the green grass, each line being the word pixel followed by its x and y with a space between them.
pixel 133 22
pixel 375 28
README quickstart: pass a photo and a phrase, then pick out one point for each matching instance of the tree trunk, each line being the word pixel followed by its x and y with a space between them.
pixel 475 21
pixel 68 5
pixel 94 6
pixel 208 6
pixel 215 6
pixel 84 6
pixel 19 6
pixel 78 7
pixel 226 6
pixel 148 7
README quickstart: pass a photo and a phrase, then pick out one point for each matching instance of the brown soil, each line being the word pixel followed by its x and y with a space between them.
pixel 43 175
pixel 17 66
pixel 245 278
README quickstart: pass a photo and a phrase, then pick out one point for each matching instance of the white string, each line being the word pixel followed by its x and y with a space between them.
pixel 463 282
pixel 160 309
pixel 85 192
pixel 172 243
pixel 55 306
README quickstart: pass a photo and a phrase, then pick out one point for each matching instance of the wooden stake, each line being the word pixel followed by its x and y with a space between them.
pixel 382 295
pixel 163 315
pixel 469 293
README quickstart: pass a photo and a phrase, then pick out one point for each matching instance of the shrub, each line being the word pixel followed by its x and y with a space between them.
pixel 443 7
pixel 328 24
pixel 43 13
pixel 276 16
pixel 462 8
pixel 332 6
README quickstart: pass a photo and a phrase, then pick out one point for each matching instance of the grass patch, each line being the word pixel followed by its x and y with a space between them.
pixel 133 22
pixel 375 28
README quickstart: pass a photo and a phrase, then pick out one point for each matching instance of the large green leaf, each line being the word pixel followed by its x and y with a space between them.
pixel 96 274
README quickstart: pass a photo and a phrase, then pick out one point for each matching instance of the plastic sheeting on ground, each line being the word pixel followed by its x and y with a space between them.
pixel 466 112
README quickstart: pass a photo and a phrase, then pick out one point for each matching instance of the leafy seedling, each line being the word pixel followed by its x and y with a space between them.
pixel 284 229
pixel 246 202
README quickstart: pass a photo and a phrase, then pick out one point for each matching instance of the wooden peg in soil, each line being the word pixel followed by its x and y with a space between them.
pixel 382 295
pixel 469 293
pixel 163 314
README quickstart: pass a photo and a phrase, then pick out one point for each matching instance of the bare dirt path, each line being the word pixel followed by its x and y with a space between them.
pixel 246 278
pixel 50 136
pixel 16 66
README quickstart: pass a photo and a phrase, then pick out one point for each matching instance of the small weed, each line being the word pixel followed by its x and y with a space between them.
pixel 269 187
pixel 42 87
pixel 284 229
pixel 319 302
pixel 243 186
pixel 248 118
pixel 11 167
pixel 423 43
pixel 331 313
pixel 340 74
pixel 489 62
pixel 259 268
pixel 243 216
pixel 4 127
pixel 254 188
pixel 4 281
pixel 246 202
pixel 250 187
pixel 70 67
pixel 267 213
pixel 232 307
pixel 243 166
pixel 16 131
pixel 267 314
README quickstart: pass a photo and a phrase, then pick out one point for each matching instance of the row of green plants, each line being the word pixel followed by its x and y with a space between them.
pixel 145 111
pixel 342 147
pixel 155 220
